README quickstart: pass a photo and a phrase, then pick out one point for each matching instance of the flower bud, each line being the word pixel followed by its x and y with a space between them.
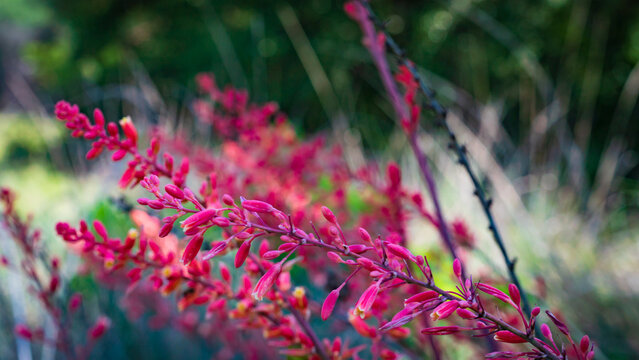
pixel 242 253
pixel 329 303
pixel 174 191
pixel 225 273
pixel 444 310
pixel 394 175
pixel 155 204
pixel 328 215
pixel 508 337
pixel 514 294
pixel 74 302
pixel 228 200
pixel 422 297
pixel 365 236
pixel 257 206
pixel 192 248
pixel 23 331
pixel 100 327
pixel 457 269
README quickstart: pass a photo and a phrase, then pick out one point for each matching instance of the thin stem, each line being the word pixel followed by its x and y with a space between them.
pixel 460 150
pixel 379 58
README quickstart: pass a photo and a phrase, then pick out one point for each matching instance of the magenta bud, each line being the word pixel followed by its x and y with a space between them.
pixel 328 215
pixel 242 253
pixel 174 191
pixel 514 294
pixel 394 175
pixel 165 230
pixel 365 236
pixel 457 268
pixel 257 206
pixel 228 200
pixel 422 297
pixel 545 330
pixel 23 331
pixel 100 327
pixel 192 248
pixel 75 301
pixel 155 204
pixel 118 155
pixel 584 344
pixel 535 311
pixel 221 221
pixel 100 229
pixel 329 304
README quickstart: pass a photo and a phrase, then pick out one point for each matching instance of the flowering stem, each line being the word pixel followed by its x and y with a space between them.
pixel 379 58
pixel 310 241
pixel 459 149
pixel 306 327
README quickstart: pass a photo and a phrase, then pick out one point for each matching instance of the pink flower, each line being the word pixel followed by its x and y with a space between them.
pixel 75 301
pixel 257 206
pixel 508 337
pixel 422 296
pixel 329 303
pixel 23 331
pixel 192 248
pixel 328 215
pixel 444 310
pixel 198 219
pixel 100 327
pixel 367 299
pixel 266 281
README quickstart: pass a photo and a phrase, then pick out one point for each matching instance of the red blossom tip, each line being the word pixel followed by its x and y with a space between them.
pixel 329 304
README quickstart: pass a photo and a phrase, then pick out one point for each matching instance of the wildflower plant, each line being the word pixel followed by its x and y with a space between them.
pixel 270 202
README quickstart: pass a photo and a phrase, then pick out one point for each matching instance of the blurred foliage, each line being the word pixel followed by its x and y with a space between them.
pixel 491 50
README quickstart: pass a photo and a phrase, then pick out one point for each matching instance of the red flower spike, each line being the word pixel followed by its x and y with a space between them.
pixel 584 344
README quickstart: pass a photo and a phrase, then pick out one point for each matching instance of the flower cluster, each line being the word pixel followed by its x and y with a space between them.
pixel 270 202
pixel 382 269
pixel 44 279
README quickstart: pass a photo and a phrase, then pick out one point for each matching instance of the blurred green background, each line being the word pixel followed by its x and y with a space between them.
pixel 543 92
